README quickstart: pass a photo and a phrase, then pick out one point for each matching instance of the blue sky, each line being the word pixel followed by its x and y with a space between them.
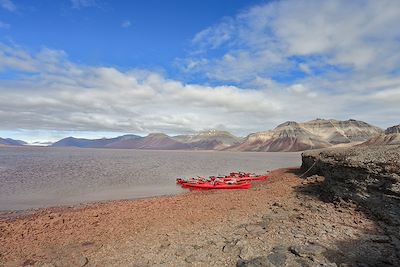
pixel 126 34
pixel 96 68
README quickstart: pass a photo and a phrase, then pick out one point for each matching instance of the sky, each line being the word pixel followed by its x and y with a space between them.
pixel 95 68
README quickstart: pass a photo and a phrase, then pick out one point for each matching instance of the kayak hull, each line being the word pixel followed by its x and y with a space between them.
pixel 218 186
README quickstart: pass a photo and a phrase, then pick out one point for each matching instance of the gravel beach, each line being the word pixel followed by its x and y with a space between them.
pixel 279 222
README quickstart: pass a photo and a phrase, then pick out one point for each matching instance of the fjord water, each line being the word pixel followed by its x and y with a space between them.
pixel 33 177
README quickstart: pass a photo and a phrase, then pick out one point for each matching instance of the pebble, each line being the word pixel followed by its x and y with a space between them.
pixel 256 262
pixel 82 261
pixel 255 229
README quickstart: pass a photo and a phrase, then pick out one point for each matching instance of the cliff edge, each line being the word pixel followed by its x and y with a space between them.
pixel 366 176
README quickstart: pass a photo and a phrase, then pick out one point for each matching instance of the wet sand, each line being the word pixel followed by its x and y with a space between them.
pixel 198 228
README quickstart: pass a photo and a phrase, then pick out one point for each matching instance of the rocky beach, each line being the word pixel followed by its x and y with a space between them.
pixel 292 219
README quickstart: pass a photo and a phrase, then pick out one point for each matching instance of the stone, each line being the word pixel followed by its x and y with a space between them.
pixel 255 262
pixel 307 250
pixel 82 261
pixel 230 247
pixel 377 238
pixel 255 229
pixel 164 244
pixel 302 262
pixel 246 251
pixel 277 258
pixel 190 258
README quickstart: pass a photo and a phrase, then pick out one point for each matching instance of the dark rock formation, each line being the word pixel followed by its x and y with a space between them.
pixel 367 176
pixel 393 129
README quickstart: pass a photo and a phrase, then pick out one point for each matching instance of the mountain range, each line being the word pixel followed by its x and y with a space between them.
pixel 288 136
pixel 206 140
pixel 319 133
pixel 92 143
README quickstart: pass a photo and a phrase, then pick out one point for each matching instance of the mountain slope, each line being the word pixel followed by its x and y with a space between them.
pixel 209 140
pixel 289 136
pixel 152 141
pixel 11 142
pixel 339 132
pixel 390 137
pixel 91 143
pixel 319 133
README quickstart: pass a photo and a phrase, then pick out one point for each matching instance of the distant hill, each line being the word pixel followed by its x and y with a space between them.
pixel 91 143
pixel 152 141
pixel 11 142
pixel 319 133
pixel 206 140
pixel 391 136
pixel 209 140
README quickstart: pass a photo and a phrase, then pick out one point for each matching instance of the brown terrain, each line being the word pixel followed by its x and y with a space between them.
pixel 391 136
pixel 318 133
pixel 284 221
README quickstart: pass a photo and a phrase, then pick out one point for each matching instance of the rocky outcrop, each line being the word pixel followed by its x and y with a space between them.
pixel 368 176
pixel 393 130
pixel 319 133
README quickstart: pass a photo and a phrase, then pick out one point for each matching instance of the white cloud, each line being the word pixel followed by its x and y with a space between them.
pixel 4 25
pixel 336 58
pixel 126 24
pixel 297 89
pixel 8 5
pixel 215 36
pixel 79 4
pixel 289 60
pixel 270 38
pixel 54 93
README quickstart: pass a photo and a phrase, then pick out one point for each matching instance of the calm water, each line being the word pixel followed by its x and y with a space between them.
pixel 32 177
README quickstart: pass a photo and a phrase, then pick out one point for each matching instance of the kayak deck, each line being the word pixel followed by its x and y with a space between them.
pixel 208 185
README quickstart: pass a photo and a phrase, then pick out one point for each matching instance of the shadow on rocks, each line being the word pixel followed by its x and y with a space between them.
pixel 376 197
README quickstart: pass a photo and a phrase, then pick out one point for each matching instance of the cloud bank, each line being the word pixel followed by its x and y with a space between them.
pixel 284 60
pixel 51 92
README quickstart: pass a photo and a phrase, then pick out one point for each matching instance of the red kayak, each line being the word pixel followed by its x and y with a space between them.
pixel 208 185
pixel 243 178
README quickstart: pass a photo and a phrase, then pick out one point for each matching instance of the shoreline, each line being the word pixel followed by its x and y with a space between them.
pixel 19 213
pixel 281 219
pixel 82 205
pixel 36 179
